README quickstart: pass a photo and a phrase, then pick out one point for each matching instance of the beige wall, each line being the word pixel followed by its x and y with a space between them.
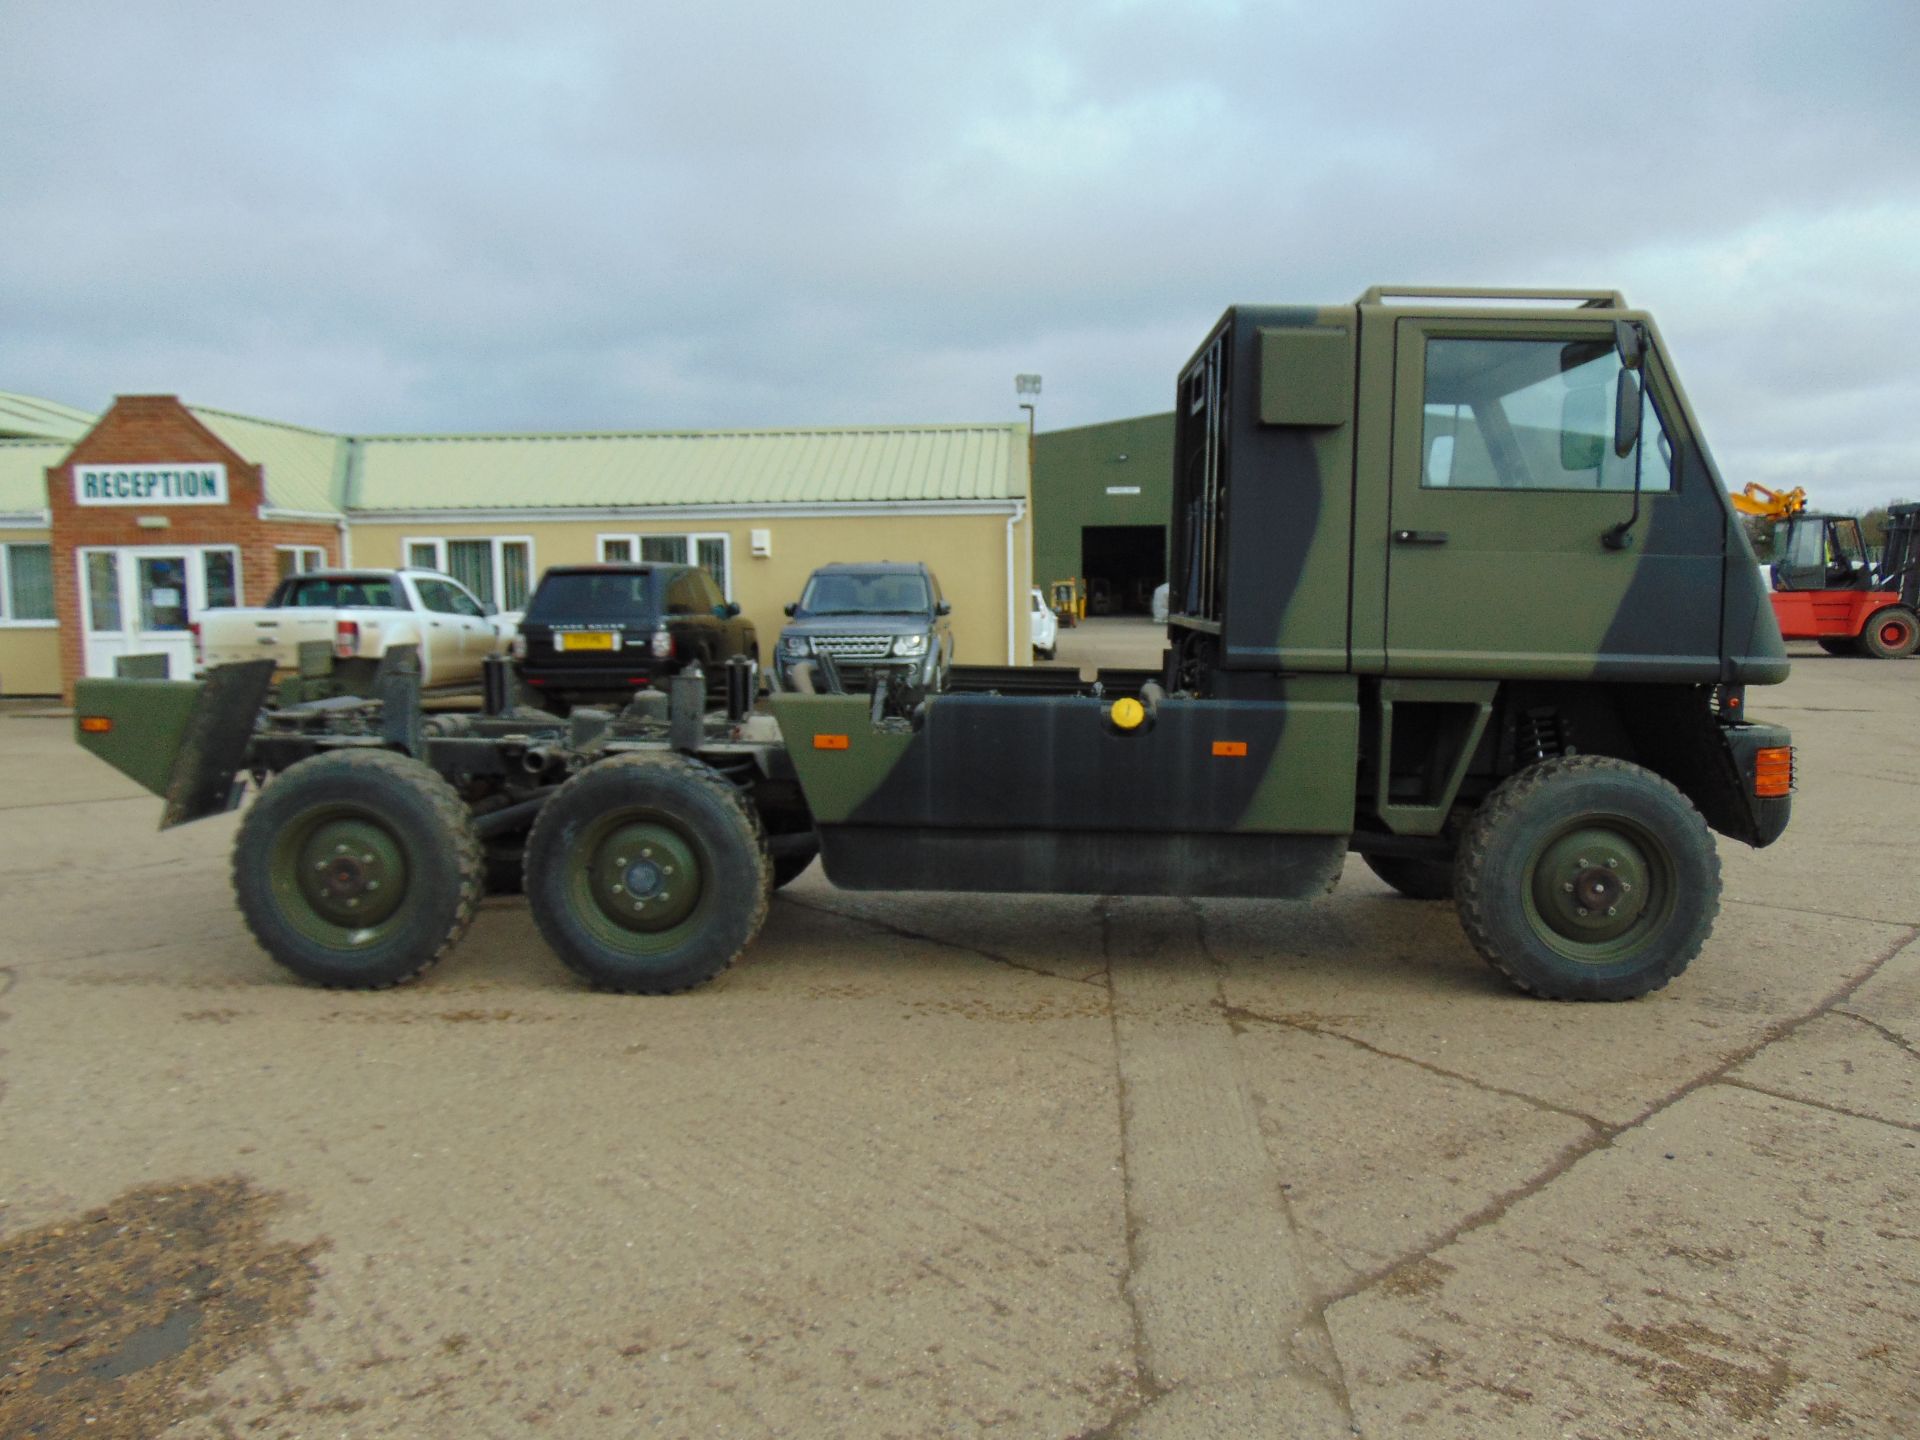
pixel 29 654
pixel 967 552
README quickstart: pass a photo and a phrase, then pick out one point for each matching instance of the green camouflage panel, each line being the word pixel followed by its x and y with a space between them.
pixel 136 726
pixel 1512 581
pixel 1057 762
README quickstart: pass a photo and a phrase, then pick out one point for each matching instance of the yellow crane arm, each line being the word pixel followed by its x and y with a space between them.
pixel 1773 504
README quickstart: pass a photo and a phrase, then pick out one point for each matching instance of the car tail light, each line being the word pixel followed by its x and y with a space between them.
pixel 662 645
pixel 346 639
pixel 199 642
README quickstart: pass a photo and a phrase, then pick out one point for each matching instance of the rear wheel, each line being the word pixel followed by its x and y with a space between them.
pixel 357 869
pixel 1890 633
pixel 648 873
pixel 1415 879
pixel 1587 878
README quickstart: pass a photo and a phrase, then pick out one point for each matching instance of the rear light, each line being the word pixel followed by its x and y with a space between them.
pixel 346 639
pixel 199 642
pixel 1773 772
pixel 662 645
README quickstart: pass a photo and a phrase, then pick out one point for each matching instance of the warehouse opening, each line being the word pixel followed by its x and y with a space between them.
pixel 1123 564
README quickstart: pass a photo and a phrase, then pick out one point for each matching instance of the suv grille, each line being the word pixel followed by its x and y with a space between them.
pixel 853 647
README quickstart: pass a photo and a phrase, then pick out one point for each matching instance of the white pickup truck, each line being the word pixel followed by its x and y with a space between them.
pixel 361 613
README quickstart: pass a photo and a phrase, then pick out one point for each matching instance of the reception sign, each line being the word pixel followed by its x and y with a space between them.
pixel 163 484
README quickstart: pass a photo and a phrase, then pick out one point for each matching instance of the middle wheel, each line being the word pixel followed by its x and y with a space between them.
pixel 648 873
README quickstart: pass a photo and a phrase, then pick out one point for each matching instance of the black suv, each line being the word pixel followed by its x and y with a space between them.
pixel 868 617
pixel 596 633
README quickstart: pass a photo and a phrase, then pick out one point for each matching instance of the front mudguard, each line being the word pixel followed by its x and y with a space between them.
pixel 1756 819
pixel 185 740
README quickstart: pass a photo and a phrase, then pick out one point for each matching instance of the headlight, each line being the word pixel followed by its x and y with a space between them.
pixel 793 645
pixel 910 645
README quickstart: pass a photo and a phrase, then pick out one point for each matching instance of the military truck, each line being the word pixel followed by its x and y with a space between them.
pixel 1455 586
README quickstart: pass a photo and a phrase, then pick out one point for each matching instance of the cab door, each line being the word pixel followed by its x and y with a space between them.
pixel 1504 485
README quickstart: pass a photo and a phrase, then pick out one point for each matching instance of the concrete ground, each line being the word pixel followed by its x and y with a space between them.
pixel 919 1166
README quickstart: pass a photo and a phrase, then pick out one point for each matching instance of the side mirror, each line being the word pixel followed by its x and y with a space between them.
pixel 792 606
pixel 1583 418
pixel 733 608
pixel 943 608
pixel 1631 341
pixel 1626 413
pixel 722 612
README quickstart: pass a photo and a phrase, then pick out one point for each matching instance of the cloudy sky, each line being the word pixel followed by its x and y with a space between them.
pixel 422 217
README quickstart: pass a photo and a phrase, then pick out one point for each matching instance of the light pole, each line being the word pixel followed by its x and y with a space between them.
pixel 1028 385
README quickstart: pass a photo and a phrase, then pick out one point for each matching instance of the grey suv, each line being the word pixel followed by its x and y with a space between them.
pixel 868 616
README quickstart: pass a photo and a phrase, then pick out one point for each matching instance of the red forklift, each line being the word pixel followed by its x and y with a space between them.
pixel 1829 587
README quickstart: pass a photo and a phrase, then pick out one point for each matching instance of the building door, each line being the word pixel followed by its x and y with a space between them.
pixel 142 600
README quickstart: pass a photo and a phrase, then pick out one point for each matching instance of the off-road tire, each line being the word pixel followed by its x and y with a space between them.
pixel 1574 814
pixel 672 812
pixel 1414 878
pixel 296 864
pixel 1891 633
pixel 1838 644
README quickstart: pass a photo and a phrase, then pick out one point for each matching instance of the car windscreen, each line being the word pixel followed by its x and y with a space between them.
pixel 565 598
pixel 854 594
pixel 343 592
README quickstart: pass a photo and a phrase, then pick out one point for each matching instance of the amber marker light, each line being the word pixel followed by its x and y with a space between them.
pixel 95 725
pixel 1773 772
pixel 1230 748
pixel 829 742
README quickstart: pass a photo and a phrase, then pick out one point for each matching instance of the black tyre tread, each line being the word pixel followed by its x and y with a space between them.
pixel 1869 642
pixel 1413 878
pixel 1471 901
pixel 399 771
pixel 735 802
pixel 1838 645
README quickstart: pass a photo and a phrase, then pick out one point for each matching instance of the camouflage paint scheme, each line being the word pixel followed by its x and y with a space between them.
pixel 1298 465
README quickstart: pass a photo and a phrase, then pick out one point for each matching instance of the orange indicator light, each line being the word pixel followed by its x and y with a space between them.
pixel 95 724
pixel 1773 772
pixel 1230 747
pixel 829 742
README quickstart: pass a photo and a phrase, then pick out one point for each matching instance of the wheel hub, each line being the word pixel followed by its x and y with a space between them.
pixel 350 872
pixel 644 876
pixel 1592 885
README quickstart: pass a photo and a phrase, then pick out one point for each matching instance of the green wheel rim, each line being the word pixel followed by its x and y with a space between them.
pixel 1599 888
pixel 638 882
pixel 339 877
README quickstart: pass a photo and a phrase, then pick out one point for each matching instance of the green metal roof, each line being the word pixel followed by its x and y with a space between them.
pixel 921 463
pixel 25 417
pixel 23 473
pixel 303 467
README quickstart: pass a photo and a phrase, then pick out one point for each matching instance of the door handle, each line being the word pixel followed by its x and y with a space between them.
pixel 1420 537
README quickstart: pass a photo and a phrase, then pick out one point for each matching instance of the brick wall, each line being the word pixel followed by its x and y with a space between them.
pixel 152 429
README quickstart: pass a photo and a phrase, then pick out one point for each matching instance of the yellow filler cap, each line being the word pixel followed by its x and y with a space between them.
pixel 1127 714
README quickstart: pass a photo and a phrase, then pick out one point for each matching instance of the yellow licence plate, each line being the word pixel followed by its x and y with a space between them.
pixel 586 640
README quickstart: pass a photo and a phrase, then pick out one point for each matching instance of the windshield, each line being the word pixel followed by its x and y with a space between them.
pixel 564 598
pixel 852 594
pixel 343 592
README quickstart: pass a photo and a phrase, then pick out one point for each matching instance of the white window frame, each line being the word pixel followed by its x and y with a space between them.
pixel 497 554
pixel 7 620
pixel 692 537
pixel 306 558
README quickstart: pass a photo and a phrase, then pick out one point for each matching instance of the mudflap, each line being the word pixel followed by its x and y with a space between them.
pixel 185 740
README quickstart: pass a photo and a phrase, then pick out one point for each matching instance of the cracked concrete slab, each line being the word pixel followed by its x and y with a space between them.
pixel 1685 1280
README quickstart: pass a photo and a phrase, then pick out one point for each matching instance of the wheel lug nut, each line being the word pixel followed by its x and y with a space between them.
pixel 1567 886
pixel 619 890
pixel 367 859
pixel 620 860
pixel 1581 862
pixel 639 905
pixel 1626 884
pixel 373 884
pixel 1613 864
pixel 1613 909
pixel 339 849
pixel 1582 910
pixel 666 869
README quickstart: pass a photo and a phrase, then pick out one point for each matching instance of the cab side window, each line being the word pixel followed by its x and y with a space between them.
pixel 681 598
pixel 438 596
pixel 1533 415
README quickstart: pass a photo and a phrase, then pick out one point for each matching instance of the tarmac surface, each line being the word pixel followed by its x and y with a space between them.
pixel 961 1165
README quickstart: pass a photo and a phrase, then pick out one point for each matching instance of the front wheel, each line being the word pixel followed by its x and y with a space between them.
pixel 357 869
pixel 1587 878
pixel 1891 633
pixel 648 873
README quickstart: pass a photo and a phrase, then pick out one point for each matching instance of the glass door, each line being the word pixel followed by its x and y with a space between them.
pixel 142 601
